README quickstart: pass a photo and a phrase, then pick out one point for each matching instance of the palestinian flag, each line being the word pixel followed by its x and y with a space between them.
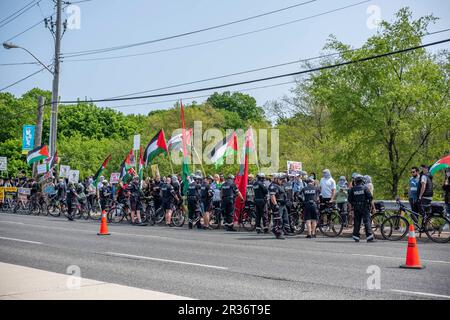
pixel 100 170
pixel 52 161
pixel 126 173
pixel 156 146
pixel 141 165
pixel 185 162
pixel 176 142
pixel 37 154
pixel 130 160
pixel 223 148
pixel 441 164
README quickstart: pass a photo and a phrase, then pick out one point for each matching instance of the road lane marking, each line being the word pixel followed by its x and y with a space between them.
pixel 422 293
pixel 164 260
pixel 21 240
pixel 387 257
pixel 13 222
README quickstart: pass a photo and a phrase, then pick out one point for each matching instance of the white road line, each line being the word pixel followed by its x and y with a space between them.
pixel 402 258
pixel 422 293
pixel 164 260
pixel 13 222
pixel 20 240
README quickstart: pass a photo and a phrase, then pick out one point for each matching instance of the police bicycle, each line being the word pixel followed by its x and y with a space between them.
pixel 330 221
pixel 296 218
pixel 434 223
pixel 56 206
pixel 215 218
pixel 247 216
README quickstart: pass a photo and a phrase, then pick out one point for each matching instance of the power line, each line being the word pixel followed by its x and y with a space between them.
pixel 17 63
pixel 23 79
pixel 213 40
pixel 258 69
pixel 268 78
pixel 16 15
pixel 187 33
pixel 202 96
pixel 16 12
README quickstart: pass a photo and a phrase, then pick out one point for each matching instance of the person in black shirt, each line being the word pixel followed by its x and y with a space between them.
pixel 206 195
pixel 360 198
pixel 135 201
pixel 261 191
pixel 71 198
pixel 229 191
pixel 193 200
pixel 310 197
pixel 168 197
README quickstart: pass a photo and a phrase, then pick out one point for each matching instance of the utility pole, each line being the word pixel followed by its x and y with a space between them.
pixel 38 132
pixel 55 86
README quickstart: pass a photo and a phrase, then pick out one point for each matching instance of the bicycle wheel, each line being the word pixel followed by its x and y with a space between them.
pixel 95 212
pixel 331 225
pixel 394 228
pixel 159 216
pixel 116 215
pixel 376 220
pixel 214 219
pixel 437 229
pixel 53 210
pixel 35 209
pixel 248 221
pixel 178 218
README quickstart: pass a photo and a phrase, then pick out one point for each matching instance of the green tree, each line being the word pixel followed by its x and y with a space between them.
pixel 242 104
pixel 386 111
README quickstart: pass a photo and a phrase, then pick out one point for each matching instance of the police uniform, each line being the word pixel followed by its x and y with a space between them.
pixel 206 194
pixel 229 191
pixel 288 187
pixel 278 192
pixel 167 196
pixel 135 196
pixel 193 198
pixel 309 196
pixel 261 192
pixel 71 197
pixel 360 198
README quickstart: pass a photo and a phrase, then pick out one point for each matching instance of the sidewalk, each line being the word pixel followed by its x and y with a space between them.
pixel 23 283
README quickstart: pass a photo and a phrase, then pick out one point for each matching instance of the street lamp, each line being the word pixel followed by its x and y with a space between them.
pixel 9 45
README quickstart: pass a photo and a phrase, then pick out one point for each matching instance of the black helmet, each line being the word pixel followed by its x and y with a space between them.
pixel 359 178
pixel 230 176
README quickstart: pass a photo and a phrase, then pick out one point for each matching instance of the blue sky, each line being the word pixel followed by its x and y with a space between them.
pixel 115 22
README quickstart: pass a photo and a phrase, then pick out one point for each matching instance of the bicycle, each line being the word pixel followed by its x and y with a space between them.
pixel 55 206
pixel 247 217
pixel 215 218
pixel 330 221
pixel 22 206
pixel 436 225
pixel 296 218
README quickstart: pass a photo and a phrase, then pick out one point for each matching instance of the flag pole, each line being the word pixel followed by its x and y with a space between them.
pixel 201 163
pixel 170 162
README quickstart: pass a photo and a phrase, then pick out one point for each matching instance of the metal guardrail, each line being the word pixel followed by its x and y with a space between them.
pixel 392 204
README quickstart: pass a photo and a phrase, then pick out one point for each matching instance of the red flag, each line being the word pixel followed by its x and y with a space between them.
pixel 241 179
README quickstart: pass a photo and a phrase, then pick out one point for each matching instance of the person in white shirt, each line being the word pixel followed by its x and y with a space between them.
pixel 327 187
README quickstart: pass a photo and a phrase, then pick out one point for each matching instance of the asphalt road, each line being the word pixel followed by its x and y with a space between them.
pixel 219 265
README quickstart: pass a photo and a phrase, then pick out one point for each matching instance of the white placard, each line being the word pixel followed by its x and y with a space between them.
pixel 42 168
pixel 3 164
pixel 64 171
pixel 115 176
pixel 294 168
pixel 74 176
pixel 137 142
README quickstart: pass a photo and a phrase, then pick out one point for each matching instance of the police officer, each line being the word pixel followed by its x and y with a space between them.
pixel 193 200
pixel 168 198
pixel 135 201
pixel 261 191
pixel 277 195
pixel 206 195
pixel 156 192
pixel 310 198
pixel 283 203
pixel 289 189
pixel 360 198
pixel 229 191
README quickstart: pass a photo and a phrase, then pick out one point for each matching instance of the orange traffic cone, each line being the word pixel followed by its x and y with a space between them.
pixel 412 254
pixel 103 225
